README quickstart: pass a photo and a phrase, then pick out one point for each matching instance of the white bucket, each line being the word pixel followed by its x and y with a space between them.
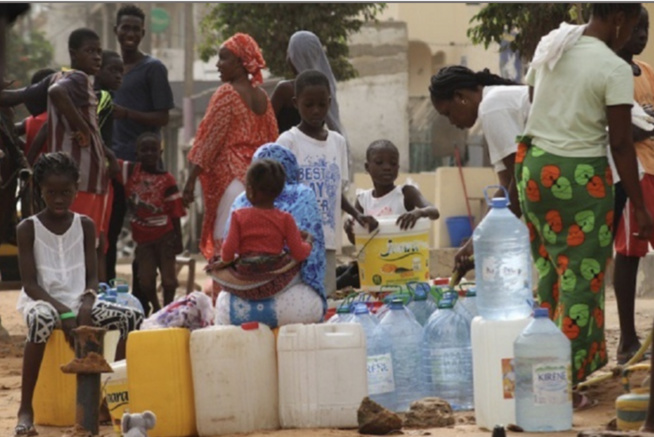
pixel 114 387
pixel 322 375
pixel 234 379
pixel 390 256
pixel 492 366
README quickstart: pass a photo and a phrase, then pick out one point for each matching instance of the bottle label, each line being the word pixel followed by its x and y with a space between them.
pixel 511 270
pixel 552 383
pixel 380 374
pixel 508 378
pixel 451 364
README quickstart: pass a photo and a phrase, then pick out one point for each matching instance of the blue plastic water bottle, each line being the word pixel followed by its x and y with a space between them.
pixel 343 315
pixel 403 333
pixel 447 357
pixel 543 393
pixel 107 293
pixel 502 263
pixel 421 306
pixel 125 298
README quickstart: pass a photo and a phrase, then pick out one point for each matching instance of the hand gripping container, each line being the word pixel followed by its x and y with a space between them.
pixel 322 375
pixel 234 379
pixel 159 379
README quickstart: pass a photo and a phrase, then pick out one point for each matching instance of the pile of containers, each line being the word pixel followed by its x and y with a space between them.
pixel 504 302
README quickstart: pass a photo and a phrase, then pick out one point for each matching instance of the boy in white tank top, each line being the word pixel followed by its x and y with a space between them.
pixel 386 199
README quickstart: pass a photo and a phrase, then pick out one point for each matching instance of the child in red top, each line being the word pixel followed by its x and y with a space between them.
pixel 263 229
pixel 156 205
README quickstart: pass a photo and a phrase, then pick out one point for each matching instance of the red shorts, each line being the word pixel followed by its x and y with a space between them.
pixel 93 206
pixel 625 241
pixel 108 204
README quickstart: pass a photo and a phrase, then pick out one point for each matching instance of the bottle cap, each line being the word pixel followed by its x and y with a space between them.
pixel 122 288
pixel 250 326
pixel 343 309
pixel 419 294
pixel 445 304
pixel 471 292
pixel 541 313
pixel 396 304
pixel 499 202
pixel 361 308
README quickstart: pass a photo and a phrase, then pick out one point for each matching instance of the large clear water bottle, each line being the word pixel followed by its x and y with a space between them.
pixel 362 316
pixel 467 305
pixel 543 376
pixel 399 329
pixel 125 298
pixel 379 354
pixel 447 357
pixel 421 306
pixel 502 263
pixel 343 315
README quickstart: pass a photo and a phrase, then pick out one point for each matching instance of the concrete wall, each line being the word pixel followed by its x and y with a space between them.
pixel 441 27
pixel 375 104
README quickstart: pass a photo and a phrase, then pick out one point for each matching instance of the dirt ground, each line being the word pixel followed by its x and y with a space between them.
pixel 596 417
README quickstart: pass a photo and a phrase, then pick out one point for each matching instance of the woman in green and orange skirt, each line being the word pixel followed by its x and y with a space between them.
pixel 579 88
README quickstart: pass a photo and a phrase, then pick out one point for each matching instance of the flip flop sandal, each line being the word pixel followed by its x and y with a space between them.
pixel 586 403
pixel 23 430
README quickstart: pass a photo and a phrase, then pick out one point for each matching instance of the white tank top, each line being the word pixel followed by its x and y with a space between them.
pixel 390 204
pixel 60 264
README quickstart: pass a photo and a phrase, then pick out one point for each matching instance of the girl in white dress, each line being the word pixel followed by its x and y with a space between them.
pixel 58 266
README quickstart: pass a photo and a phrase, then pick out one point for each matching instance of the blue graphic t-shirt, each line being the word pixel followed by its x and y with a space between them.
pixel 323 168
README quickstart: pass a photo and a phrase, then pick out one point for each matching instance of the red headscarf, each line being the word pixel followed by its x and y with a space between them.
pixel 248 51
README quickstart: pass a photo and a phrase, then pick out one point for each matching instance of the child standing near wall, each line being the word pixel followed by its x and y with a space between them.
pixel 322 156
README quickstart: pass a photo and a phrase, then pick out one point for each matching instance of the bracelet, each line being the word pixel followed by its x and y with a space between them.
pixel 68 315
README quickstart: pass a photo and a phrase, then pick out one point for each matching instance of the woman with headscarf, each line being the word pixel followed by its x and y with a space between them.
pixel 238 120
pixel 303 299
pixel 305 52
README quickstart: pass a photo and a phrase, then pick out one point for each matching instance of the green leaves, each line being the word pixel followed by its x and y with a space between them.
pixel 529 22
pixel 25 55
pixel 272 24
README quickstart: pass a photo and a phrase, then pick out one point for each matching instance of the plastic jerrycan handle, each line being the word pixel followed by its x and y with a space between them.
pixel 489 199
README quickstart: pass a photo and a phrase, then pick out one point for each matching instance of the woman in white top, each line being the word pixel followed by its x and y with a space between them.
pixel 501 106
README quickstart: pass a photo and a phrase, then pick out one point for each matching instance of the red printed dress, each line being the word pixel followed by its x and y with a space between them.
pixel 227 137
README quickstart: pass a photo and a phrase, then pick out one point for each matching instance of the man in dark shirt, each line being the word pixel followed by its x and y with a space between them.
pixel 141 104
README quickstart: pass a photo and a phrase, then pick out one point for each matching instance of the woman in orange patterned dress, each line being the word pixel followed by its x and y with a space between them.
pixel 238 120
